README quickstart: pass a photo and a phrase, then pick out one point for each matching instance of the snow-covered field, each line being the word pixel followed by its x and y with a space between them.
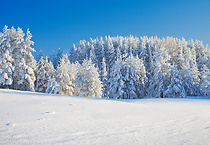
pixel 33 118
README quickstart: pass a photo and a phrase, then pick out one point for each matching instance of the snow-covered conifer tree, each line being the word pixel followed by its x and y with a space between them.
pixel 99 47
pixel 49 67
pixel 93 55
pixel 129 78
pixel 176 88
pixel 87 81
pixel 45 71
pixel 24 76
pixel 6 60
pixel 194 72
pixel 6 70
pixel 135 77
pixel 157 83
pixel 110 55
pixel 115 82
pixel 41 78
pixel 205 81
pixel 185 72
pixel 104 76
pixel 65 75
pixel 201 54
pixel 208 56
pixel 52 86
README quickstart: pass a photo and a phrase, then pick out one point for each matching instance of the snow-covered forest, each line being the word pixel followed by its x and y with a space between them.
pixel 113 67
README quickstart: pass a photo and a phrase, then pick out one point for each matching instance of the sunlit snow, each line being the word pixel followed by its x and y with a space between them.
pixel 33 118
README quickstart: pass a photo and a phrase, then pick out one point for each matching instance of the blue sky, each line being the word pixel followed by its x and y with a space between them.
pixel 59 24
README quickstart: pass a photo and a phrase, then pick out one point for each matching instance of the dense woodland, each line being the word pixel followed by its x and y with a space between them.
pixel 113 67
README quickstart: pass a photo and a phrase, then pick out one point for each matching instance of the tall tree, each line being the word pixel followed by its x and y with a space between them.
pixel 41 80
pixel 24 76
pixel 115 82
pixel 205 81
pixel 6 60
pixel 103 74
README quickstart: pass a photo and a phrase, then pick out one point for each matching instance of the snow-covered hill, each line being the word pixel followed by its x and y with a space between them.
pixel 33 118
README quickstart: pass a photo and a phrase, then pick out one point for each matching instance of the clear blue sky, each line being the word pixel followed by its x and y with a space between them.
pixel 55 24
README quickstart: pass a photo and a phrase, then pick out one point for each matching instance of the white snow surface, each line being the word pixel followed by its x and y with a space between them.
pixel 35 118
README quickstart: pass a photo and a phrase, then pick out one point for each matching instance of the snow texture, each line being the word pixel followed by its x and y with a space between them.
pixel 36 118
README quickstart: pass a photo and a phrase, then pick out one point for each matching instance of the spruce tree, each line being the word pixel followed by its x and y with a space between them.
pixel 176 88
pixel 115 82
pixel 52 86
pixel 104 77
pixel 6 60
pixel 41 80
pixel 65 76
pixel 87 81
pixel 6 70
pixel 24 76
pixel 205 81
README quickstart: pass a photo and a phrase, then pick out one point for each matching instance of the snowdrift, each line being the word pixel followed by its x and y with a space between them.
pixel 34 118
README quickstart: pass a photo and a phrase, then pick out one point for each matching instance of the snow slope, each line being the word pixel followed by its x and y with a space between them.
pixel 33 118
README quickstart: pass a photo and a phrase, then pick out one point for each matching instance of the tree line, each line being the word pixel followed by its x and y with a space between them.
pixel 113 67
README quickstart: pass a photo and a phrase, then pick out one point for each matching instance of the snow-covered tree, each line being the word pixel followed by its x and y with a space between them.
pixel 93 55
pixel 65 75
pixel 115 82
pixel 157 87
pixel 134 77
pixel 201 54
pixel 6 70
pixel 176 88
pixel 157 84
pixel 130 78
pixel 87 81
pixel 187 80
pixel 49 67
pixel 208 56
pixel 194 72
pixel 41 76
pixel 205 81
pixel 45 71
pixel 52 86
pixel 127 79
pixel 24 76
pixel 110 54
pixel 103 74
pixel 185 71
pixel 6 60
pixel 79 53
